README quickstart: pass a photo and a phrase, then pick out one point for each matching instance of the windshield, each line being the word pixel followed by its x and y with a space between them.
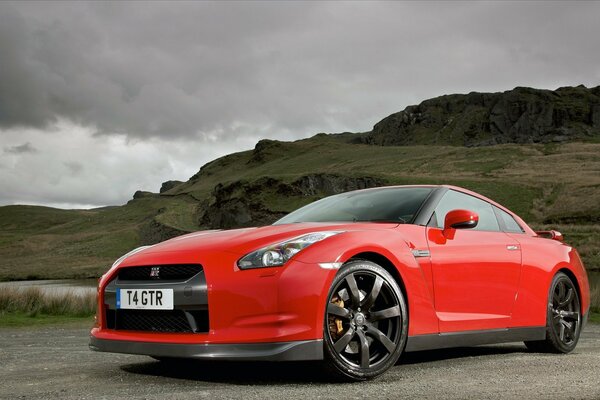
pixel 399 204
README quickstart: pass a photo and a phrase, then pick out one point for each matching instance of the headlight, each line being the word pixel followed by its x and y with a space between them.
pixel 278 254
pixel 132 252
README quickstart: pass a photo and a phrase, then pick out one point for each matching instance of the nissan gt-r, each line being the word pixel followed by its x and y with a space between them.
pixel 355 280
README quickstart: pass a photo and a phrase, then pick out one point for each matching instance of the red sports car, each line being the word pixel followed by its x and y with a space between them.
pixel 354 279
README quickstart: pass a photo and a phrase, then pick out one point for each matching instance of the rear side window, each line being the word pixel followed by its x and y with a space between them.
pixel 453 200
pixel 510 225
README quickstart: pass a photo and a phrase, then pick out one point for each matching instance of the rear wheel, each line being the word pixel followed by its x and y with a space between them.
pixel 563 324
pixel 366 322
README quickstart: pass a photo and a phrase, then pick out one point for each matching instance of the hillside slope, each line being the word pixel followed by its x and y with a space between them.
pixel 551 185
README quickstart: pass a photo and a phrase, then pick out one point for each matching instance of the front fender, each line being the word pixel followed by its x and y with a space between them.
pixel 396 246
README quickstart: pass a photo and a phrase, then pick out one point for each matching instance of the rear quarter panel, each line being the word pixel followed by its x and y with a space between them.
pixel 542 259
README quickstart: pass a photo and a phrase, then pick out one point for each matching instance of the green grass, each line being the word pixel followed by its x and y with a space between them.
pixel 44 243
pixel 33 301
pixel 33 307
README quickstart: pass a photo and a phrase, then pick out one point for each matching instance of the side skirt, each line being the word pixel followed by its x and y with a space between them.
pixel 474 338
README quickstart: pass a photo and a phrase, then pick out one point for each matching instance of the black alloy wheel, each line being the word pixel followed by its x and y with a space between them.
pixel 563 324
pixel 366 321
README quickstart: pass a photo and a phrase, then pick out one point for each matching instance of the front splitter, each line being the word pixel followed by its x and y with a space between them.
pixel 304 350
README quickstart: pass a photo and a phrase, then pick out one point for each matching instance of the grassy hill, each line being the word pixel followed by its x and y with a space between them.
pixel 551 185
pixel 41 242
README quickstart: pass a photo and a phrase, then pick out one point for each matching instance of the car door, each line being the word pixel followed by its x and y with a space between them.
pixel 475 271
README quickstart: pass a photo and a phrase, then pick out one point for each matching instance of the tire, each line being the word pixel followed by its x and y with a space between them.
pixel 563 320
pixel 365 324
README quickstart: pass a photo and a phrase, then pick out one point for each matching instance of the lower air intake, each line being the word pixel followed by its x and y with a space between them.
pixel 172 321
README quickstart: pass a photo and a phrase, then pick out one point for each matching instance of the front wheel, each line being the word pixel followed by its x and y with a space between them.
pixel 366 322
pixel 563 324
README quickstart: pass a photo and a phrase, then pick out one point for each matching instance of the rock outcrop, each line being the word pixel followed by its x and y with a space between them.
pixel 521 115
pixel 168 185
pixel 242 203
pixel 266 150
pixel 141 194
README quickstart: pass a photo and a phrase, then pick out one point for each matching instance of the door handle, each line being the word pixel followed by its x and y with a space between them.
pixel 512 247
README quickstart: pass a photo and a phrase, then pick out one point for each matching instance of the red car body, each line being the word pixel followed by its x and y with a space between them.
pixel 457 281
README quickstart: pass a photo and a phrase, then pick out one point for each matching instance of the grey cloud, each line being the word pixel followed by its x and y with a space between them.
pixel 181 70
pixel 78 169
pixel 75 168
pixel 20 149
pixel 115 86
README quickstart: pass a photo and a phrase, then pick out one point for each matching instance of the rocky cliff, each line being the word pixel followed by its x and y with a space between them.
pixel 243 203
pixel 521 115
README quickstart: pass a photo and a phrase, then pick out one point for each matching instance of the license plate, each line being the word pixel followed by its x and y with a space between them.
pixel 145 299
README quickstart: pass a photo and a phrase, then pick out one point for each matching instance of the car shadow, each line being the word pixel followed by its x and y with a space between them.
pixel 257 373
pixel 232 372
pixel 420 357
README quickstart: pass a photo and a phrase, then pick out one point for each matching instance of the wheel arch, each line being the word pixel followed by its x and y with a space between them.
pixel 386 264
pixel 573 278
pixel 406 271
pixel 390 267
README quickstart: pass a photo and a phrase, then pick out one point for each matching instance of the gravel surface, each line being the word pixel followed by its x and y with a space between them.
pixel 55 363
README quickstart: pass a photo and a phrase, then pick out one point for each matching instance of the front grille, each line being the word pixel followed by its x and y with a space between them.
pixel 169 321
pixel 159 272
pixel 190 302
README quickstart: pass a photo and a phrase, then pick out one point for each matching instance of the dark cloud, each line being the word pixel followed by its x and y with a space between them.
pixel 220 75
pixel 183 69
pixel 20 149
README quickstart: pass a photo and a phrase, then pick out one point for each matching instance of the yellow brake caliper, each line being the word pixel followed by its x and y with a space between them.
pixel 335 324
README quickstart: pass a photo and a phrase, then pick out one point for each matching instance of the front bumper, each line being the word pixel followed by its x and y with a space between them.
pixel 303 350
pixel 271 305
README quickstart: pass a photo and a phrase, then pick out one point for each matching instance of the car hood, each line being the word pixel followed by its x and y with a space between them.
pixel 245 240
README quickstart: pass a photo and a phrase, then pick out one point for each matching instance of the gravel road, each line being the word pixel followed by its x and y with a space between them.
pixel 55 363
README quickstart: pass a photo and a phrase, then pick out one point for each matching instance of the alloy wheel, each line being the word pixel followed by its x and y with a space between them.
pixel 566 317
pixel 365 319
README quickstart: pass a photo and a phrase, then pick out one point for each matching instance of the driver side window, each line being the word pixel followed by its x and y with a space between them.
pixel 454 200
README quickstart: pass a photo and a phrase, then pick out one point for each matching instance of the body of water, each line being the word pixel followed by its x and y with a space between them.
pixel 57 286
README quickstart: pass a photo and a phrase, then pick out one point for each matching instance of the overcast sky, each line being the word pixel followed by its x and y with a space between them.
pixel 98 100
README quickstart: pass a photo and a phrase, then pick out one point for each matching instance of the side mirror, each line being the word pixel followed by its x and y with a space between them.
pixel 460 219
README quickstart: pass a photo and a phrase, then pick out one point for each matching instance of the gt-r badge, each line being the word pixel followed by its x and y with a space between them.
pixel 154 272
